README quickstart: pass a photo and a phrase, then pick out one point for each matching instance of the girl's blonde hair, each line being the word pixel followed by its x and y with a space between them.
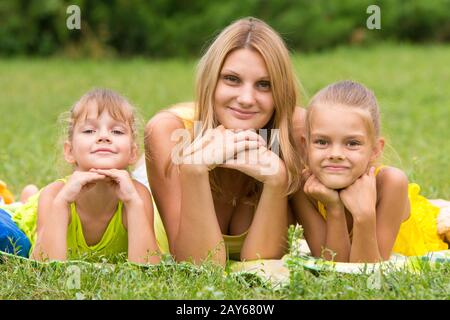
pixel 254 34
pixel 118 107
pixel 352 95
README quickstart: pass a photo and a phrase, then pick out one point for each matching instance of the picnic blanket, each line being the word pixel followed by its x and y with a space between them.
pixel 277 271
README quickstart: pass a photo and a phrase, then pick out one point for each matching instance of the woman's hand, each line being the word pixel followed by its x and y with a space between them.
pixel 218 145
pixel 261 164
pixel 78 183
pixel 122 184
pixel 314 189
pixel 360 197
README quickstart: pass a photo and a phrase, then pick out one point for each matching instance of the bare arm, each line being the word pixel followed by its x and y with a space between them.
pixel 374 234
pixel 336 239
pixel 266 238
pixel 53 217
pixel 54 214
pixel 199 232
pixel 182 194
pixel 142 247
pixel 267 234
pixel 314 226
pixel 163 176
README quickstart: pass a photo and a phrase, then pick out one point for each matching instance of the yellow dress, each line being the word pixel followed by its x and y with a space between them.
pixel 186 112
pixel 113 241
pixel 418 234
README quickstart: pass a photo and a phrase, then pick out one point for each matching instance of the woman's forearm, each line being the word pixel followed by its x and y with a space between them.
pixel 199 232
pixel 267 235
pixel 337 243
pixel 51 242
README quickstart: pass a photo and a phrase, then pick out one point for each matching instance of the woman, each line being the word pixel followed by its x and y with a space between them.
pixel 221 203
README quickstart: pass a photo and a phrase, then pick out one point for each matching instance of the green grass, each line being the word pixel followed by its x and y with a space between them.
pixel 26 279
pixel 412 85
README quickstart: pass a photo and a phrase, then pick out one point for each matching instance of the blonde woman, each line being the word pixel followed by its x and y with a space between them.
pixel 224 193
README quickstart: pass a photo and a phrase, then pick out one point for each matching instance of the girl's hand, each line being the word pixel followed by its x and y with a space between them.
pixel 122 183
pixel 360 197
pixel 218 145
pixel 78 183
pixel 314 189
pixel 261 164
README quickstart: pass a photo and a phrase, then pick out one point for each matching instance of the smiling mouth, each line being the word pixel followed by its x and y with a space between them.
pixel 335 168
pixel 241 114
pixel 103 151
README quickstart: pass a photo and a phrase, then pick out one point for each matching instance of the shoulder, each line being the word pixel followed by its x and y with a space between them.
pixel 392 179
pixel 167 119
pixel 161 126
pixel 163 121
pixel 46 198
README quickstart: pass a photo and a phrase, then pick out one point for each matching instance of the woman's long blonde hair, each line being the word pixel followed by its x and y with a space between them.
pixel 252 33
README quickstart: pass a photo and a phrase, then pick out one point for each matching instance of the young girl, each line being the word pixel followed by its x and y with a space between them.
pixel 351 208
pixel 98 209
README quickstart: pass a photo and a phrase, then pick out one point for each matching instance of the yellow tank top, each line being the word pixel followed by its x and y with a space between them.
pixel 186 112
pixel 418 234
pixel 113 241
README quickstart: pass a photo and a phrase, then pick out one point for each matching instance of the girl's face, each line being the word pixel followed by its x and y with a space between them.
pixel 100 142
pixel 243 97
pixel 339 146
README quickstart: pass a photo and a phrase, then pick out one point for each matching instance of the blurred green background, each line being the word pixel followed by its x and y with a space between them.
pixel 147 51
pixel 180 28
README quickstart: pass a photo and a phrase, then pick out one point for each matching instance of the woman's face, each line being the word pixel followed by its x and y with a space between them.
pixel 243 97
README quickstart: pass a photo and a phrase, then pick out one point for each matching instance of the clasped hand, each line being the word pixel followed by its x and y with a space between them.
pixel 359 198
pixel 82 181
pixel 242 150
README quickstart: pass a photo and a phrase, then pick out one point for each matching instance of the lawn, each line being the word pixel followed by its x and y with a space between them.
pixel 412 84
